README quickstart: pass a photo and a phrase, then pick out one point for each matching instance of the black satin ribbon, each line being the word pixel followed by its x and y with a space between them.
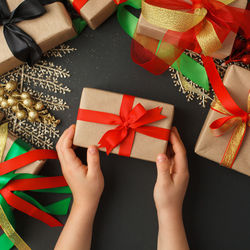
pixel 20 43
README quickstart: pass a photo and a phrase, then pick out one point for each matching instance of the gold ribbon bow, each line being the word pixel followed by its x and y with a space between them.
pixel 239 124
pixel 181 21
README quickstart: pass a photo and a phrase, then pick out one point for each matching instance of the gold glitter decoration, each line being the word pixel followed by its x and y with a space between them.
pixel 192 91
pixel 43 75
pixel 24 106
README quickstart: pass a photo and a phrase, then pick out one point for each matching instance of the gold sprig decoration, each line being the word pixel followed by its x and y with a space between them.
pixel 23 105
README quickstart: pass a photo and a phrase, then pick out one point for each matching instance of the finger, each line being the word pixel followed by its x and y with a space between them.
pixel 163 168
pixel 93 160
pixel 179 150
pixel 65 150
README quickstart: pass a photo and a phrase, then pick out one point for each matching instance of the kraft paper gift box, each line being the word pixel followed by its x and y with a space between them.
pixel 89 133
pixel 48 31
pixel 211 147
pixel 94 12
pixel 150 30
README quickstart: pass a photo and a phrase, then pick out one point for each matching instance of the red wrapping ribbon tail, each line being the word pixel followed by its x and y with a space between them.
pixel 127 144
pixel 36 183
pixel 219 88
pixel 25 159
pixel 32 184
pixel 25 207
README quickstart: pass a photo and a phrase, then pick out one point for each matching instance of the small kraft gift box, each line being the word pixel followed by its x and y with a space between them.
pixel 153 19
pixel 225 136
pixel 95 12
pixel 123 124
pixel 25 35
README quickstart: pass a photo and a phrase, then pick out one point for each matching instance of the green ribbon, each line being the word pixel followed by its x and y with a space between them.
pixel 79 25
pixel 57 208
pixel 188 67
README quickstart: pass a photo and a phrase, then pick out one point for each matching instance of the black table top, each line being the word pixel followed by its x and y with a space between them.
pixel 217 204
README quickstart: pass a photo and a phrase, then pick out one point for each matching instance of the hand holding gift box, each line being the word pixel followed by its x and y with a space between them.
pixel 24 35
pixel 125 125
pixel 225 135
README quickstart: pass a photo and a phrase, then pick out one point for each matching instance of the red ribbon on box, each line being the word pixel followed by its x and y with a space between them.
pixel 235 117
pixel 30 184
pixel 78 4
pixel 130 121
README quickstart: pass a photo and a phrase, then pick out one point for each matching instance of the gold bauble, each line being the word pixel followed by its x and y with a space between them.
pixel 1 98
pixel 12 101
pixel 28 102
pixel 15 94
pixel 39 106
pixel 25 95
pixel 4 104
pixel 33 115
pixel 1 91
pixel 11 85
pixel 15 108
pixel 21 114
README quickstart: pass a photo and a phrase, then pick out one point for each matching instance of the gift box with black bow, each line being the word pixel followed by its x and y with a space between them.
pixel 29 28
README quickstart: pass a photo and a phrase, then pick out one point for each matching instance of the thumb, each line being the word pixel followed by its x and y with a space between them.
pixel 93 160
pixel 163 168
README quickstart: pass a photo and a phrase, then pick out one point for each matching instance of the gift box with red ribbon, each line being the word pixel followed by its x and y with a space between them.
pixel 29 28
pixel 123 124
pixel 212 22
pixel 225 136
pixel 95 12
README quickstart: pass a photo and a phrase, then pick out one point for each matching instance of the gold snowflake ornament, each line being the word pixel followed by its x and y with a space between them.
pixel 49 77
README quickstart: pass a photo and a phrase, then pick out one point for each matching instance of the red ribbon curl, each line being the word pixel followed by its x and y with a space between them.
pixel 130 121
pixel 30 184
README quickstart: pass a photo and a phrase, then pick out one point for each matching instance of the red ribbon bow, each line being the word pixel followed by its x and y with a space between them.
pixel 130 121
pixel 30 184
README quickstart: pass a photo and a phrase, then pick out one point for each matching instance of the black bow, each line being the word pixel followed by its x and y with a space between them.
pixel 20 43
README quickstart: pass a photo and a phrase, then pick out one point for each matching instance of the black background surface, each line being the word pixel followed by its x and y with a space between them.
pixel 217 204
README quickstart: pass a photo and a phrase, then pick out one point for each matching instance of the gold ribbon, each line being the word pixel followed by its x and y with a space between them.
pixel 181 21
pixel 3 138
pixel 11 233
pixel 238 133
pixel 4 222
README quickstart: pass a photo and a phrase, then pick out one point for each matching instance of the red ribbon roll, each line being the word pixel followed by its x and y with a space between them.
pixel 130 121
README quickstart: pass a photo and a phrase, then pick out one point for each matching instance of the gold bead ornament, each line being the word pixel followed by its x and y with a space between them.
pixel 22 104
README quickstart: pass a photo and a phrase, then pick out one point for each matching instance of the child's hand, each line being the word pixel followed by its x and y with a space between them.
pixel 85 182
pixel 172 179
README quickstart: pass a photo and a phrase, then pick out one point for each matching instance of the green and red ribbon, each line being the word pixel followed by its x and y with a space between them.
pixel 13 184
